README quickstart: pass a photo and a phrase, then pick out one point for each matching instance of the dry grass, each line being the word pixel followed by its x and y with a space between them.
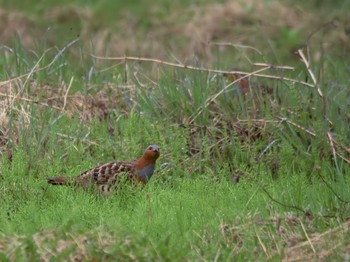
pixel 320 246
pixel 291 237
pixel 48 245
pixel 13 22
pixel 195 33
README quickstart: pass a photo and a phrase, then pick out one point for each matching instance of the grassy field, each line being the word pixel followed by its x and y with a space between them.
pixel 251 168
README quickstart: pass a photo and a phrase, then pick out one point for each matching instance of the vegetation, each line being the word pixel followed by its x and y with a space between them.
pixel 254 160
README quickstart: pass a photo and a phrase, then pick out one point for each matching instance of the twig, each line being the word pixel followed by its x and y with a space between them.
pixel 63 50
pixel 342 157
pixel 217 254
pixel 325 235
pixel 283 119
pixel 262 245
pixel 266 148
pixel 236 46
pixel 330 139
pixel 333 191
pixel 300 52
pixel 198 253
pixel 74 138
pixel 209 100
pixel 65 96
pixel 332 146
pixel 307 237
pixel 347 149
pixel 216 143
pixel 80 245
pixel 275 66
pixel 7 48
pixel 257 120
pixel 334 152
pixel 183 66
pixel 282 204
pixel 28 100
pixel 19 98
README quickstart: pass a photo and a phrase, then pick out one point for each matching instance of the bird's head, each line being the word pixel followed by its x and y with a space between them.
pixel 145 165
pixel 151 154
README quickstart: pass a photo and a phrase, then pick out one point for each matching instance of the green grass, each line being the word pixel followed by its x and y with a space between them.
pixel 179 215
pixel 167 220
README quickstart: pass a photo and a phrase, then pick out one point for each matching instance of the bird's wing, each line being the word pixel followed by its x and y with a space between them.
pixel 106 173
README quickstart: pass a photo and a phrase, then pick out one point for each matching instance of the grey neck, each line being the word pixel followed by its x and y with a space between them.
pixel 146 172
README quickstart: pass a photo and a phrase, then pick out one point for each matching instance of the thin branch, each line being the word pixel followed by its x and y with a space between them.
pixel 325 235
pixel 333 191
pixel 256 120
pixel 332 146
pixel 60 53
pixel 75 138
pixel 283 119
pixel 346 149
pixel 275 66
pixel 266 148
pixel 209 100
pixel 343 157
pixel 301 54
pixel 35 101
pixel 65 96
pixel 262 245
pixel 282 204
pixel 237 46
pixel 307 236
pixel 183 66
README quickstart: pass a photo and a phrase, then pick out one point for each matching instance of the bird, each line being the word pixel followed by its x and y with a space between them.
pixel 243 84
pixel 106 177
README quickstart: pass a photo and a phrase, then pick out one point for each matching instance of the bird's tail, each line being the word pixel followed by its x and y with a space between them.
pixel 58 181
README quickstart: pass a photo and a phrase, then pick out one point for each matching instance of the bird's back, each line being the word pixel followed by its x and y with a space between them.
pixel 106 175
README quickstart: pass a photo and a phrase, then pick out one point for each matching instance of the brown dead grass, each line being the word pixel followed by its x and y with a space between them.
pixel 186 32
pixel 111 98
pixel 199 26
pixel 278 236
pixel 51 245
pixel 101 104
pixel 284 236
pixel 47 245
pixel 320 246
pixel 12 23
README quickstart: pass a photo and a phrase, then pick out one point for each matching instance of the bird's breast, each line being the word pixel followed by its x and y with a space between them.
pixel 146 172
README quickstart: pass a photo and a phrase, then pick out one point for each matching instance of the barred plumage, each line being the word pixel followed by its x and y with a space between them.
pixel 106 176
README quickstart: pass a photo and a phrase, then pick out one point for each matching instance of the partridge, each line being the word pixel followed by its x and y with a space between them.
pixel 106 176
pixel 244 84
